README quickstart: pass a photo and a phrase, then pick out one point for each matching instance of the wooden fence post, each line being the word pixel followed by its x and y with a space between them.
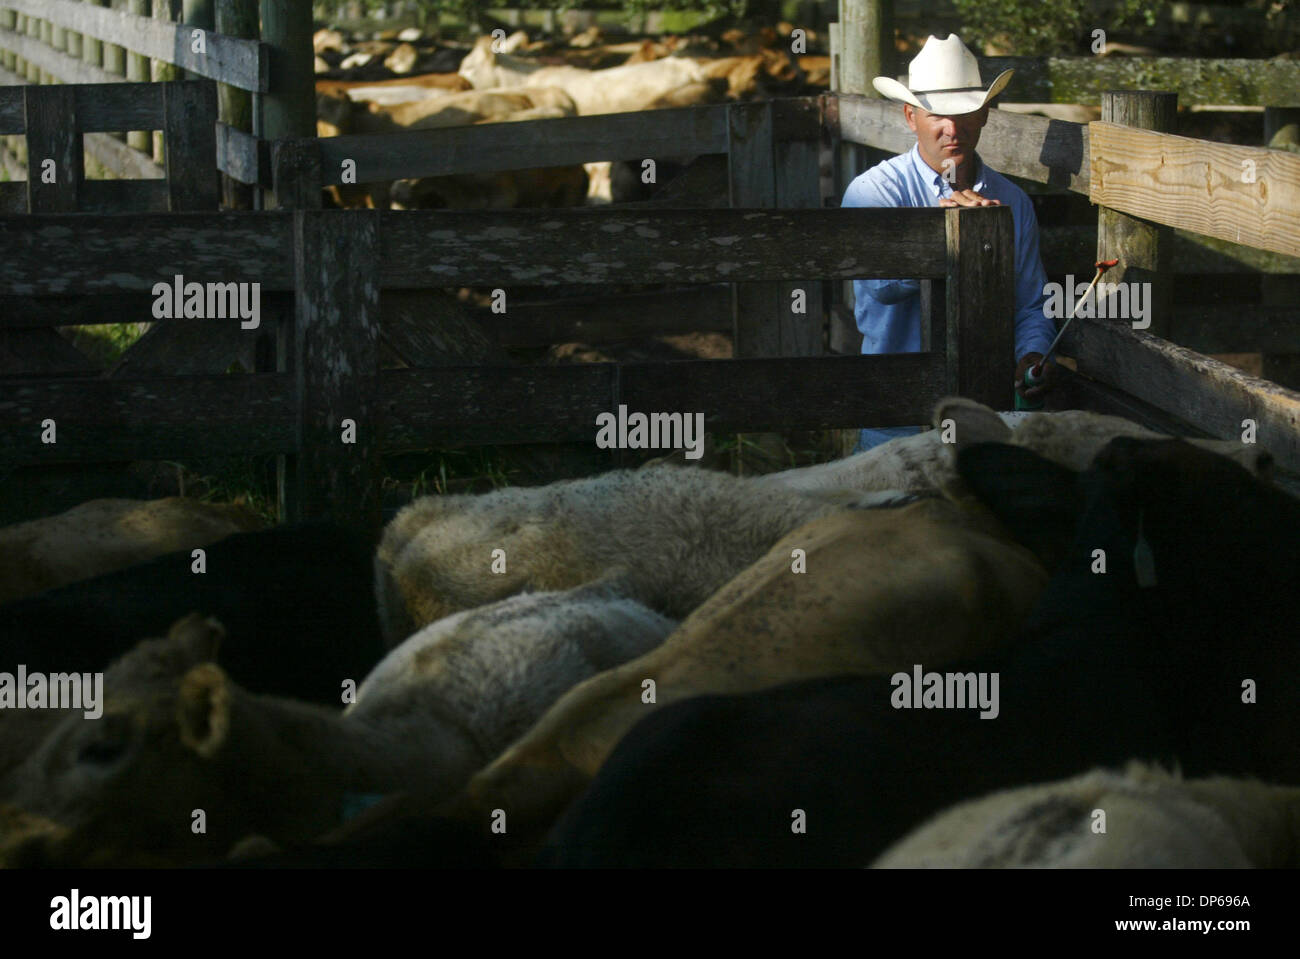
pixel 33 28
pixel 137 70
pixel 336 367
pixel 53 134
pixel 167 11
pixel 866 37
pixel 288 109
pixel 8 21
pixel 190 127
pixel 1142 247
pixel 752 176
pixel 236 18
pixel 980 295
pixel 92 48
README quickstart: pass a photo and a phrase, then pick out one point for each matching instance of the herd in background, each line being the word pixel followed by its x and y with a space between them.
pixel 374 87
pixel 502 650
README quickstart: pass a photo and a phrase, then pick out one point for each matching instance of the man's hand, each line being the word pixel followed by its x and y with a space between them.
pixel 1033 392
pixel 967 198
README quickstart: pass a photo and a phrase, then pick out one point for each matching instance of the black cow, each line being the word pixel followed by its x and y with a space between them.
pixel 1149 660
pixel 297 602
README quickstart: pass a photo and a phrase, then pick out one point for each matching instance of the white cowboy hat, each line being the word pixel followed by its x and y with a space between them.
pixel 944 78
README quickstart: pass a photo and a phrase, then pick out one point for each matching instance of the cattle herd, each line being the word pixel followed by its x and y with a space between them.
pixel 1054 639
pixel 383 86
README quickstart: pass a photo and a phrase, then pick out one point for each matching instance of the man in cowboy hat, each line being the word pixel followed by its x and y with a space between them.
pixel 947 106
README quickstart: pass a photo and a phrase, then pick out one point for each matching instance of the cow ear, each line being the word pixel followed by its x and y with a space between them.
pixel 199 637
pixel 973 422
pixel 1035 499
pixel 203 709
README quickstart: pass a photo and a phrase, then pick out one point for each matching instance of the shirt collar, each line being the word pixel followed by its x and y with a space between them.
pixel 936 181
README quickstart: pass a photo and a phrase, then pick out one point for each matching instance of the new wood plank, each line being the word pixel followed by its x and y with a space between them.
pixel 1198 185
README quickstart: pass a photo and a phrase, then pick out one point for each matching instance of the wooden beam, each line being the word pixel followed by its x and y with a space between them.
pixel 528 247
pixel 54 153
pixel 494 147
pixel 1033 148
pixel 336 365
pixel 101 107
pixel 97 196
pixel 242 63
pixel 106 420
pixel 189 124
pixel 620 316
pixel 236 18
pixel 66 68
pixel 1142 248
pixel 1196 388
pixel 757 307
pixel 1198 185
pixel 980 297
pixel 94 253
pixel 241 156
pixel 481 405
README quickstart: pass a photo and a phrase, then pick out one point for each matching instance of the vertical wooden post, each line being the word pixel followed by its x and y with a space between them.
pixel 75 44
pixel 137 70
pixel 190 126
pixel 47 38
pixel 980 288
pixel 866 44
pixel 53 134
pixel 92 48
pixel 8 21
pixel 297 174
pixel 34 31
pixel 200 14
pixel 336 365
pixel 236 18
pixel 163 71
pixel 1143 248
pixel 798 187
pixel 751 169
pixel 288 110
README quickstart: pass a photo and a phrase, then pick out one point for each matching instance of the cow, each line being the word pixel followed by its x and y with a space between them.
pixel 1140 818
pixel 107 534
pixel 1182 650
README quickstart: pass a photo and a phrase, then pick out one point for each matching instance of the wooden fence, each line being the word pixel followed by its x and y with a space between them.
pixel 338 262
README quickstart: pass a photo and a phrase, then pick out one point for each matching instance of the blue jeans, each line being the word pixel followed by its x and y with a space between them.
pixel 874 437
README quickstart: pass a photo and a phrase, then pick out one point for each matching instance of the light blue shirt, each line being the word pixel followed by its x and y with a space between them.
pixel 889 311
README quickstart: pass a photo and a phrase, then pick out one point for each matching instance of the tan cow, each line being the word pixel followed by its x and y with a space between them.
pixel 1152 819
pixel 177 735
pixel 104 535
pixel 860 591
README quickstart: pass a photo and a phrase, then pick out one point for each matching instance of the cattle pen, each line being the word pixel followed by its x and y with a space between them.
pixel 767 268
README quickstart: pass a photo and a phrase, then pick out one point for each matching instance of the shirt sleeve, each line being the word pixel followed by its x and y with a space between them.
pixel 869 191
pixel 1034 331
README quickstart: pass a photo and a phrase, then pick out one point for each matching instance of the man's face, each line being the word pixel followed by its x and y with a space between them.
pixel 941 138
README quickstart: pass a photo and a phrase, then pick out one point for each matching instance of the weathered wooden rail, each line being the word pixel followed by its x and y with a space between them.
pixel 337 262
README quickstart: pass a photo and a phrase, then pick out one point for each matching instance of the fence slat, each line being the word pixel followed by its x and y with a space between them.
pixel 336 365
pixel 52 136
pixel 189 124
pixel 980 295
pixel 242 63
pixel 751 165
